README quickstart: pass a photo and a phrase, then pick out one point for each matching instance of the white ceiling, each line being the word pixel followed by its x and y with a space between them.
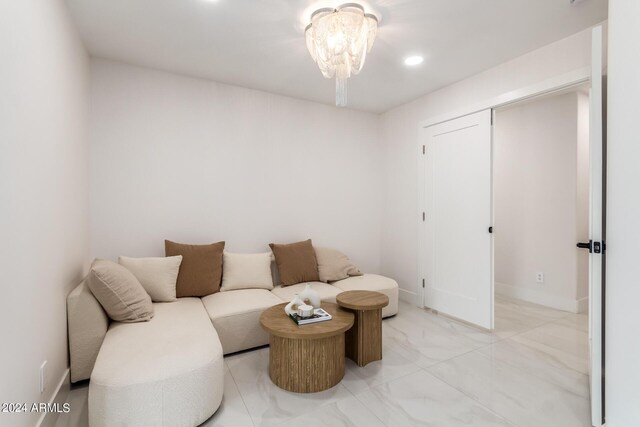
pixel 260 44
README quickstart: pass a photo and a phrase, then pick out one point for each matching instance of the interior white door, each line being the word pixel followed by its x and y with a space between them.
pixel 596 228
pixel 457 217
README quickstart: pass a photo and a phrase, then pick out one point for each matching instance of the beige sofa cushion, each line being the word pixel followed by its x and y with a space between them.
pixel 373 282
pixel 236 317
pixel 119 292
pixel 246 271
pixel 87 324
pixel 157 275
pixel 327 292
pixel 166 372
pixel 296 262
pixel 334 265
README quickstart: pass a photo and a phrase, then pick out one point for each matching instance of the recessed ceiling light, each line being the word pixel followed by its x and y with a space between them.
pixel 412 61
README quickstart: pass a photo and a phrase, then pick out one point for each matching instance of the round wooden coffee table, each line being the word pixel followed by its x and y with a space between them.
pixel 306 358
pixel 364 340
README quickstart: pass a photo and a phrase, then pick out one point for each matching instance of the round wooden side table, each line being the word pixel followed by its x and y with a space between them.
pixel 306 358
pixel 364 339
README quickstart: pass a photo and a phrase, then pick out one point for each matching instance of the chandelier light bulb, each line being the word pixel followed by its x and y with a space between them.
pixel 338 40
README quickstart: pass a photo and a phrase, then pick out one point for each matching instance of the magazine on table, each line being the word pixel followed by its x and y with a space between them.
pixel 319 315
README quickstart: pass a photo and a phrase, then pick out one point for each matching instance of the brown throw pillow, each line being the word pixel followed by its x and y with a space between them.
pixel 296 262
pixel 201 268
pixel 119 292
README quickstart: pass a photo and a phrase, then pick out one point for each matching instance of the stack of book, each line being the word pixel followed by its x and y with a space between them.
pixel 319 315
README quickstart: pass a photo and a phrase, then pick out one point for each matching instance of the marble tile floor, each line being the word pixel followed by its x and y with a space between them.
pixel 531 371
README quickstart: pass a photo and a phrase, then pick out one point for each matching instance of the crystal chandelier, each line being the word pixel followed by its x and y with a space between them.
pixel 338 41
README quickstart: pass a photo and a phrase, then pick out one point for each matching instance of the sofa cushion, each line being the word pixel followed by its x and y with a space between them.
pixel 119 292
pixel 246 271
pixel 236 317
pixel 296 262
pixel 334 265
pixel 201 269
pixel 168 371
pixel 327 292
pixel 87 325
pixel 157 275
pixel 373 282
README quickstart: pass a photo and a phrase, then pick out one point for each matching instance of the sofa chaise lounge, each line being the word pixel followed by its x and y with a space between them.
pixel 169 370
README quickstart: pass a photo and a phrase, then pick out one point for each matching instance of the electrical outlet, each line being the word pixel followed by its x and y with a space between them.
pixel 539 277
pixel 42 376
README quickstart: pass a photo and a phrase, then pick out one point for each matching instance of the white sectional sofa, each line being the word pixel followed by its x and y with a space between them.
pixel 169 371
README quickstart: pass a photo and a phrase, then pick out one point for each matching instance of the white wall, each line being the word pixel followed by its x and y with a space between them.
pixel 623 214
pixel 197 161
pixel 400 130
pixel 43 194
pixel 536 183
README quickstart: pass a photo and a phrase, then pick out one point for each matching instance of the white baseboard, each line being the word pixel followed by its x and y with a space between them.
pixel 60 395
pixel 408 296
pixel 582 305
pixel 538 297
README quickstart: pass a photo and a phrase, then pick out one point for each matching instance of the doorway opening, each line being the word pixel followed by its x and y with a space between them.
pixel 541 210
pixel 541 201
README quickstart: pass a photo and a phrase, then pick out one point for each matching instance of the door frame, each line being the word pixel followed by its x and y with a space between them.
pixel 547 87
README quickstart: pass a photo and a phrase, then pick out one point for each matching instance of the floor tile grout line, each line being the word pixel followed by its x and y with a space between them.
pixel 546 322
pixel 480 346
pixel 533 328
pixel 456 356
pixel 390 381
pixel 369 389
pixel 503 417
pixel 240 393
pixel 332 403
pixel 527 331
pixel 533 348
pixel 564 314
pixel 467 338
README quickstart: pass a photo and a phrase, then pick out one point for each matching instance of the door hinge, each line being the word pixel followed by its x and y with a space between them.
pixel 424 216
pixel 424 150
pixel 423 283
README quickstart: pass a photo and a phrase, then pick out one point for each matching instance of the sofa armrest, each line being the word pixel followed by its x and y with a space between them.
pixel 87 327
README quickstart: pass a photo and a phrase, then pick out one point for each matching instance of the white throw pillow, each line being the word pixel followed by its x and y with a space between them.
pixel 333 265
pixel 246 271
pixel 157 275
